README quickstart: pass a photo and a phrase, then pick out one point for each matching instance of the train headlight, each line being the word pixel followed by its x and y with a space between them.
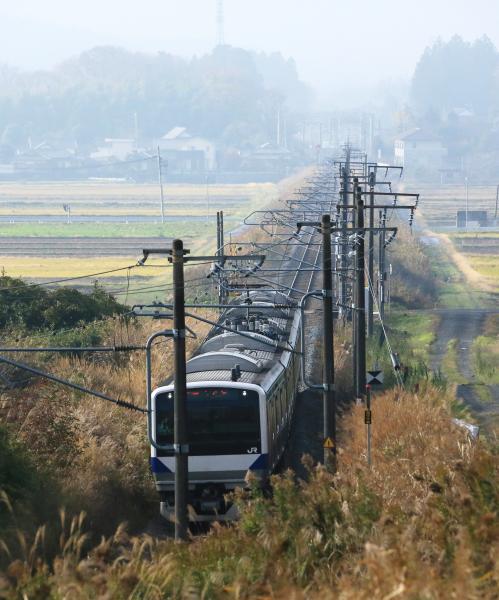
pixel 245 393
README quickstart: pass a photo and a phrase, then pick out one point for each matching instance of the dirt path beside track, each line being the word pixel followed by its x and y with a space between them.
pixel 464 325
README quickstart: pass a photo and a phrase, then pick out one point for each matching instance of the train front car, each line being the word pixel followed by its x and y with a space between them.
pixel 240 393
pixel 227 441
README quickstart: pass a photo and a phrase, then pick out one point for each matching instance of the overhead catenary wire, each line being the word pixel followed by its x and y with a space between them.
pixel 66 279
pixel 67 383
pixel 388 345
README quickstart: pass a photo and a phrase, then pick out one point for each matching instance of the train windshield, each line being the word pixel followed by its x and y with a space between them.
pixel 219 421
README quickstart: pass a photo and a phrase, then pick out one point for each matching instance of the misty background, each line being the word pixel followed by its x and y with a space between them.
pixel 298 76
pixel 360 42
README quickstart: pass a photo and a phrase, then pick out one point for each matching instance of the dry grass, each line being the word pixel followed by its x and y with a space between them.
pixel 97 452
pixel 421 523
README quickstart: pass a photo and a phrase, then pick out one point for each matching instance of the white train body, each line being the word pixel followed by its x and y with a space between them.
pixel 240 402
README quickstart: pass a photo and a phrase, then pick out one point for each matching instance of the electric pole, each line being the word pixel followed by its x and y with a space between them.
pixel 381 264
pixel 360 308
pixel 370 257
pixel 160 180
pixel 220 252
pixel 220 23
pixel 345 173
pixel 180 439
pixel 329 398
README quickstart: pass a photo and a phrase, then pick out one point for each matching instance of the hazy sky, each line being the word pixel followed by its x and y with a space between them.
pixel 363 40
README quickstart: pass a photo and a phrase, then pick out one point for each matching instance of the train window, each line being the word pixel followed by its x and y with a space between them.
pixel 219 421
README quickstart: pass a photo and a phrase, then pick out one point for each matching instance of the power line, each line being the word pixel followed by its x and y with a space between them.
pixel 65 279
pixel 80 388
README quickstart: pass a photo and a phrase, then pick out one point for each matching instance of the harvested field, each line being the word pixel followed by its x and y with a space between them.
pixel 53 247
pixel 439 204
pixel 41 200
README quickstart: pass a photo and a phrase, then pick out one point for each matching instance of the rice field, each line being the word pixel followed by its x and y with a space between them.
pixel 37 243
pixel 474 251
pixel 439 204
pixel 127 199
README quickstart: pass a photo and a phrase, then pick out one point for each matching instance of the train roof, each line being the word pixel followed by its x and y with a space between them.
pixel 259 354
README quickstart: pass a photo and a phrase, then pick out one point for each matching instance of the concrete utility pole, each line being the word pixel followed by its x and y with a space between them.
pixel 220 23
pixel 368 422
pixel 220 252
pixel 180 439
pixel 466 211
pixel 360 308
pixel 329 397
pixel 370 257
pixel 344 225
pixel 160 180
pixel 381 264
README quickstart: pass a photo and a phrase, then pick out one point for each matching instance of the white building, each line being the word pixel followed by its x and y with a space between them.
pixel 188 152
pixel 417 149
pixel 115 149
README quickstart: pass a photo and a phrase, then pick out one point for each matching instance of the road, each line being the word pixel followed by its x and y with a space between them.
pixel 464 325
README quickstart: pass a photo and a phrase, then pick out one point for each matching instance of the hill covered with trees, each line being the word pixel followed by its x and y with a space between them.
pixel 231 95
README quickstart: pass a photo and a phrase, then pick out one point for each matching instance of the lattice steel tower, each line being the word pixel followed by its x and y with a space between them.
pixel 220 23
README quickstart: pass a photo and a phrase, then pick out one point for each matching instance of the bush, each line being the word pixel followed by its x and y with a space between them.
pixel 34 307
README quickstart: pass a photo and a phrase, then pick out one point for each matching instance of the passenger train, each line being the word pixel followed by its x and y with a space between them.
pixel 241 387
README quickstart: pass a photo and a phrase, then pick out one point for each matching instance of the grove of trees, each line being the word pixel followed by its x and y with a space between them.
pixel 457 74
pixel 230 94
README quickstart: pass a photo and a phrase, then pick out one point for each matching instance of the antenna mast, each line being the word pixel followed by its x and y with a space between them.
pixel 220 23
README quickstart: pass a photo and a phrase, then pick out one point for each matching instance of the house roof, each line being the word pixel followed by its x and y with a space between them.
pixel 418 135
pixel 176 133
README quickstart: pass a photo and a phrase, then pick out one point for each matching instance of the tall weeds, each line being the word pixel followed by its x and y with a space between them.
pixel 421 523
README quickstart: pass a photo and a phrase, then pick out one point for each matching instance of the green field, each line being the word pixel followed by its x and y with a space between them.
pixel 184 228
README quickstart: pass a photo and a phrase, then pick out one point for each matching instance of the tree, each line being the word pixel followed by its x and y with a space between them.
pixel 456 74
pixel 97 95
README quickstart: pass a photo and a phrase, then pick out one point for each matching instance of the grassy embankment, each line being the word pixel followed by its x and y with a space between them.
pixel 410 324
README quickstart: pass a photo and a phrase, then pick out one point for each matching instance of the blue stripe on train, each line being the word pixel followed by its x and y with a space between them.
pixel 261 463
pixel 158 467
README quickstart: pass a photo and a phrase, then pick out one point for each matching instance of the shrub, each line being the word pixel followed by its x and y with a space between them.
pixel 34 307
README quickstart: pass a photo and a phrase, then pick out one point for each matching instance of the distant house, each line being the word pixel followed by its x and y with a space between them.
pixel 46 158
pixel 114 149
pixel 419 149
pixel 187 153
pixel 268 157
